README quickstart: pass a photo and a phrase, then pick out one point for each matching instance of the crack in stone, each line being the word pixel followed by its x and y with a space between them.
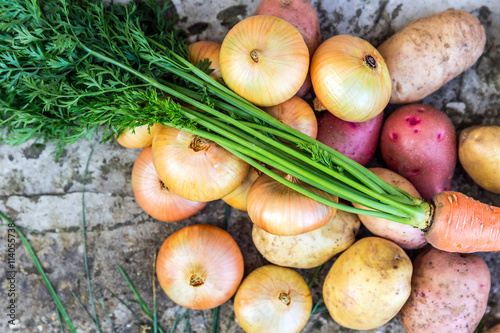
pixel 98 228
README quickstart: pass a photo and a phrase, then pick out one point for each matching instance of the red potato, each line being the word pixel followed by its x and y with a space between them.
pixel 358 141
pixel 449 293
pixel 302 15
pixel 419 142
pixel 406 236
pixel 494 329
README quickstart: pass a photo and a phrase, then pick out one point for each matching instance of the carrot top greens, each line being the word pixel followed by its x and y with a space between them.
pixel 70 70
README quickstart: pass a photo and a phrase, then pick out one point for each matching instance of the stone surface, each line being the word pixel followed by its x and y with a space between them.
pixel 45 195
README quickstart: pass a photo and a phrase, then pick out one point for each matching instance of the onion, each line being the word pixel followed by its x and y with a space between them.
pixel 206 50
pixel 154 197
pixel 199 267
pixel 312 248
pixel 238 198
pixel 138 137
pixel 296 113
pixel 273 299
pixel 264 59
pixel 195 168
pixel 282 211
pixel 350 78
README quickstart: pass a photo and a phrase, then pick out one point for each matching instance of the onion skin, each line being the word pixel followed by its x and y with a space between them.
pixel 264 59
pixel 350 78
pixel 238 198
pixel 154 198
pixel 312 248
pixel 297 114
pixel 201 50
pixel 259 308
pixel 281 211
pixel 200 267
pixel 138 137
pixel 195 168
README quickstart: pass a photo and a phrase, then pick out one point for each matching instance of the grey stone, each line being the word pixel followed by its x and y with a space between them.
pixel 45 195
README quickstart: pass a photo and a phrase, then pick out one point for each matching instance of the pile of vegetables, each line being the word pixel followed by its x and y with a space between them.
pixel 228 122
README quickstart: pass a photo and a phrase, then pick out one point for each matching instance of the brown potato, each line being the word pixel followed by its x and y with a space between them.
pixel 479 154
pixel 431 51
pixel 368 284
pixel 312 248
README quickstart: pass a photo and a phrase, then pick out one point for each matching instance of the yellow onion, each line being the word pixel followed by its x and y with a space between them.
pixel 201 50
pixel 154 197
pixel 238 198
pixel 195 168
pixel 309 249
pixel 282 211
pixel 264 59
pixel 138 137
pixel 199 267
pixel 350 78
pixel 273 299
pixel 296 113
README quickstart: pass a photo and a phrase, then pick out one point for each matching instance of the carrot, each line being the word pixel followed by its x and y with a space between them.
pixel 462 224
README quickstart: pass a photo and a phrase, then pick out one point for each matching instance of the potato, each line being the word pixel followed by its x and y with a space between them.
pixel 449 293
pixel 312 248
pixel 419 142
pixel 368 284
pixel 358 141
pixel 479 154
pixel 404 235
pixel 431 51
pixel 302 15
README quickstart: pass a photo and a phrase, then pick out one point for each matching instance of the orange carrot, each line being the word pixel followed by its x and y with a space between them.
pixel 462 224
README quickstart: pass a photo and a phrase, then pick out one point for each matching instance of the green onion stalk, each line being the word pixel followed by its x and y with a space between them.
pixel 70 70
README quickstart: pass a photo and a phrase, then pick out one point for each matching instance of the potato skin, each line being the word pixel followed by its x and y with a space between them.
pixel 419 142
pixel 431 51
pixel 449 293
pixel 312 248
pixel 479 154
pixel 404 235
pixel 356 140
pixel 368 284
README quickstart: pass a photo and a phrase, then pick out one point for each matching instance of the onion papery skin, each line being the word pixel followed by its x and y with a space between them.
pixel 296 113
pixel 238 198
pixel 258 307
pixel 198 170
pixel 138 137
pixel 199 267
pixel 201 50
pixel 264 59
pixel 345 82
pixel 282 211
pixel 153 197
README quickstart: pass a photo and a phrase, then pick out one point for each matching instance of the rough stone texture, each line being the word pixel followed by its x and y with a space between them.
pixel 45 195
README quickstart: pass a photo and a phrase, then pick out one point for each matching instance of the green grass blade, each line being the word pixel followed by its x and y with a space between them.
pixel 101 301
pixel 314 276
pixel 315 308
pixel 140 300
pixel 123 303
pixel 60 321
pixel 143 305
pixel 230 321
pixel 155 315
pixel 84 234
pixel 82 306
pixel 39 267
pixel 215 320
